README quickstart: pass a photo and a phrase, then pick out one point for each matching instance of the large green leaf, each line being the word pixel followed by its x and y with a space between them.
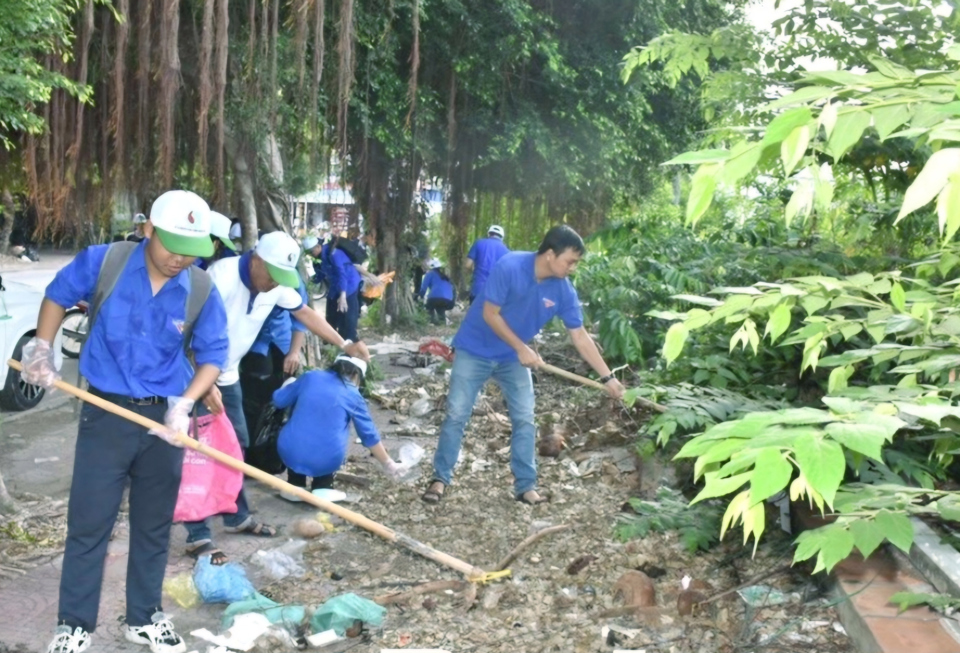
pixel 948 208
pixel 673 343
pixel 743 159
pixel 778 323
pixel 867 535
pixel 701 191
pixel 837 545
pixel 717 487
pixel 850 126
pixel 867 439
pixel 800 96
pixel 887 118
pixel 822 462
pixel 781 126
pixel 771 474
pixel 897 528
pixel 931 180
pixel 794 147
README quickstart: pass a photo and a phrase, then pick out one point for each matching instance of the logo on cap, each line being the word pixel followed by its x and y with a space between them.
pixel 290 257
pixel 190 217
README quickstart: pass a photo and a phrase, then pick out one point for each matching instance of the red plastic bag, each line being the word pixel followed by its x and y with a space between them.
pixel 437 348
pixel 208 487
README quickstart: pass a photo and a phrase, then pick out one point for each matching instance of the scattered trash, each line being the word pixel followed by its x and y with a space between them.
pixel 688 600
pixel 436 348
pixel 580 564
pixel 283 561
pixel 308 528
pixel 322 639
pixel 341 612
pixel 242 635
pixel 329 494
pixel 51 459
pixel 182 589
pixel 758 596
pixel 636 588
pixel 221 583
pixel 421 407
pixel 479 465
pixel 276 639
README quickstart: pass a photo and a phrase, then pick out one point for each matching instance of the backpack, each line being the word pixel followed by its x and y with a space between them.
pixel 353 250
pixel 113 264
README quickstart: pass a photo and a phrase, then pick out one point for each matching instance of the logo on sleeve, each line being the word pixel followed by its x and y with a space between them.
pixel 548 303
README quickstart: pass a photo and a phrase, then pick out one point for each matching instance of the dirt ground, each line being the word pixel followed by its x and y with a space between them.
pixel 565 593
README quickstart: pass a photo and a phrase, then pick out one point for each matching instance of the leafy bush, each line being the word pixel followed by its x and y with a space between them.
pixel 697 525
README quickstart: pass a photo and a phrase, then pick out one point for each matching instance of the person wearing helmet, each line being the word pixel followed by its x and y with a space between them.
pixel 135 236
pixel 483 256
pixel 136 356
pixel 439 292
pixel 315 441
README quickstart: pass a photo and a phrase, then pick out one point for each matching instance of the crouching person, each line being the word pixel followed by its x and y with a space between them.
pixel 148 305
pixel 314 442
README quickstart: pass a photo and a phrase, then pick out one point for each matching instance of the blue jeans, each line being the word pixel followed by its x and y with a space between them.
pixel 469 375
pixel 199 531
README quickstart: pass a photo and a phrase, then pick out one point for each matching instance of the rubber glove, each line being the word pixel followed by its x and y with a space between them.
pixel 393 469
pixel 37 361
pixel 176 420
pixel 342 303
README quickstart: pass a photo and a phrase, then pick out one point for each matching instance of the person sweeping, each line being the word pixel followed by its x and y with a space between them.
pixel 314 442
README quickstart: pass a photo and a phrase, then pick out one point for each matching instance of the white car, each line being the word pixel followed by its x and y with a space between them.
pixel 19 309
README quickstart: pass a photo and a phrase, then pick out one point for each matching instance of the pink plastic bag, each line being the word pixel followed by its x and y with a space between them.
pixel 208 487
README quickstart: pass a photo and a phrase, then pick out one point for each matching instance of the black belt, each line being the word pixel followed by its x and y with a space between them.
pixel 124 399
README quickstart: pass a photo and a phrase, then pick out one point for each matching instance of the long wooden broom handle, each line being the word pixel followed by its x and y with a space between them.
pixel 357 519
pixel 599 386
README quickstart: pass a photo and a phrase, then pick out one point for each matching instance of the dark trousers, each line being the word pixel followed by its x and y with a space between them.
pixel 437 309
pixel 344 323
pixel 300 480
pixel 110 451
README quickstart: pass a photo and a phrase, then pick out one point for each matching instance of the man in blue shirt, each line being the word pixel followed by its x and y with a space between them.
pixel 343 297
pixel 135 356
pixel 524 292
pixel 483 256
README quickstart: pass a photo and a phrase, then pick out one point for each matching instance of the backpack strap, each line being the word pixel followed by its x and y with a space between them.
pixel 200 286
pixel 113 264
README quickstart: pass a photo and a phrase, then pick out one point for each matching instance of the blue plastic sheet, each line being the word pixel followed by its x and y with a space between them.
pixel 221 583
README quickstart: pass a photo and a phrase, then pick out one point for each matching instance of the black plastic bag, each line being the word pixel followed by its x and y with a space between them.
pixel 262 453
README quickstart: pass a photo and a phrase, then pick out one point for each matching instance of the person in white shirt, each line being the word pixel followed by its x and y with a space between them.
pixel 251 286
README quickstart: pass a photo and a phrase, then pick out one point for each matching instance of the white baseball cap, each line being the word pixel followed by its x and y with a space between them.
pixel 280 252
pixel 220 227
pixel 310 242
pixel 181 220
pixel 495 229
pixel 359 363
pixel 236 231
pixel 435 263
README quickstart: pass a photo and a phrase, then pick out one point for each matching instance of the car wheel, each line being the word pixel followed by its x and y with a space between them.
pixel 76 322
pixel 16 393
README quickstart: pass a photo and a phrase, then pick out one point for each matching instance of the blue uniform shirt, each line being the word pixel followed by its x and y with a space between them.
pixel 315 440
pixel 279 328
pixel 136 346
pixel 343 276
pixel 435 287
pixel 485 253
pixel 525 305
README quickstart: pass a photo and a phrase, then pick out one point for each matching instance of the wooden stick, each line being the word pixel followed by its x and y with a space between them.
pixel 357 519
pixel 652 405
pixel 513 555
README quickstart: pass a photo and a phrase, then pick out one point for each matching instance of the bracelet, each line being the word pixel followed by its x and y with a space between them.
pixel 606 379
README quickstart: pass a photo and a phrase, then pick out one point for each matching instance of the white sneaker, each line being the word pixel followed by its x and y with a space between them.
pixel 159 635
pixel 69 640
pixel 289 496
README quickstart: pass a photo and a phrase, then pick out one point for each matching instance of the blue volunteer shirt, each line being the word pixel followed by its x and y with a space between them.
pixel 315 440
pixel 436 287
pixel 485 254
pixel 225 252
pixel 279 328
pixel 136 346
pixel 343 276
pixel 525 305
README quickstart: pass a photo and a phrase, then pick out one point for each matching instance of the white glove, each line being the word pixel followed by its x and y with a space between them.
pixel 176 420
pixel 393 470
pixel 342 303
pixel 37 361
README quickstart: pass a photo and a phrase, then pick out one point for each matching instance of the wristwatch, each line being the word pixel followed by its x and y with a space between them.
pixel 606 379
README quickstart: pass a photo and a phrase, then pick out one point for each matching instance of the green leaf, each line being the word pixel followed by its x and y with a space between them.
pixel 809 544
pixel 897 528
pixel 931 180
pixel 813 303
pixel 794 147
pixel 781 126
pixel 902 323
pixel 867 535
pixel 898 298
pixel 822 463
pixel 948 208
pixel 837 545
pixel 800 96
pixel 800 204
pixel 701 156
pixel 838 378
pixel 673 343
pixel 889 69
pixel 743 159
pixel 771 474
pixel 717 487
pixel 887 119
pixel 778 323
pixel 867 439
pixel 828 118
pixel 850 127
pixel 701 192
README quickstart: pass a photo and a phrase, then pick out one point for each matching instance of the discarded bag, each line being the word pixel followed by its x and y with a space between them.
pixel 262 453
pixel 208 487
pixel 285 615
pixel 375 292
pixel 182 590
pixel 341 612
pixel 221 583
pixel 437 348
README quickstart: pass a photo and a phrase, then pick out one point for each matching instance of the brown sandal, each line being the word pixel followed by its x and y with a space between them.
pixel 253 527
pixel 432 496
pixel 217 557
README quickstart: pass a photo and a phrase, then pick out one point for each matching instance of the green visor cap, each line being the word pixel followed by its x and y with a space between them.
pixel 227 243
pixel 199 246
pixel 284 277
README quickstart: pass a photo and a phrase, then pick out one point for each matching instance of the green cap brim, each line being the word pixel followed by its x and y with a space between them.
pixel 227 243
pixel 288 278
pixel 200 246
